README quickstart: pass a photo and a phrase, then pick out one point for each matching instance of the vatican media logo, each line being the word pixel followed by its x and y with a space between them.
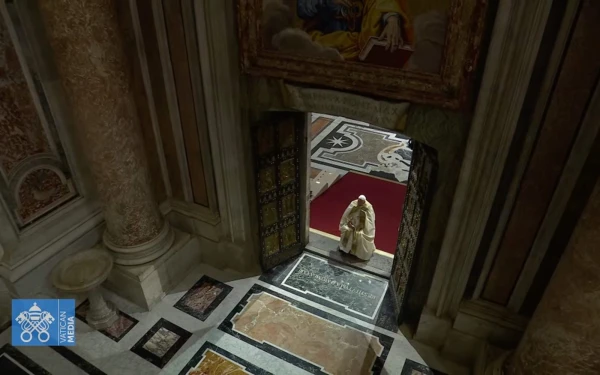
pixel 43 322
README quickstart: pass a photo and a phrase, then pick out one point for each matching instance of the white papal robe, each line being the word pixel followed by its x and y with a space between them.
pixel 359 241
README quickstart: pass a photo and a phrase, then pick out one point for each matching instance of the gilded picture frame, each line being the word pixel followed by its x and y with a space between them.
pixel 445 82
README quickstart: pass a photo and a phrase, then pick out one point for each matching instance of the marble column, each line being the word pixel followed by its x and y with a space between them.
pixel 89 54
pixel 563 336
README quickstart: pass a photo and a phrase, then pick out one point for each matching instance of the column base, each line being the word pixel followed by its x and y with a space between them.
pixel 143 253
pixel 146 284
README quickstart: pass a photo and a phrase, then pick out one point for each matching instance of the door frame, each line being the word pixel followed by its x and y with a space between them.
pixel 506 76
pixel 305 180
pixel 400 301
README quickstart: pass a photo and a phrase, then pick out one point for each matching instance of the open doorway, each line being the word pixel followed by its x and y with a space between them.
pixel 350 158
pixel 360 159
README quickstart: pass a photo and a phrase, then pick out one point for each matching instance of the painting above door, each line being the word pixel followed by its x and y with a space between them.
pixel 421 51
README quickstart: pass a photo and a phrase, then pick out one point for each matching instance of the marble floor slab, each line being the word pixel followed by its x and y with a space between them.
pixel 347 290
pixel 415 368
pixel 210 349
pixel 355 291
pixel 77 360
pixel 306 337
pixel 161 343
pixel 350 146
pixel 13 362
pixel 203 298
pixel 213 360
pixel 117 330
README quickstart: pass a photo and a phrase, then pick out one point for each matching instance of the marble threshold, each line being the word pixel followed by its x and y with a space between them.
pixel 326 245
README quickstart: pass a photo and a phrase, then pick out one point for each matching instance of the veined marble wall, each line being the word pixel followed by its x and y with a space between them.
pixel 35 176
pixel 545 183
pixel 167 31
pixel 574 86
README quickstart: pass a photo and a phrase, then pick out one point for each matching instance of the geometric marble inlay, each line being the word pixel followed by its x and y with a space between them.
pixel 305 336
pixel 13 362
pixel 415 368
pixel 117 330
pixel 332 284
pixel 161 343
pixel 360 148
pixel 77 360
pixel 211 359
pixel 203 298
pixel 356 291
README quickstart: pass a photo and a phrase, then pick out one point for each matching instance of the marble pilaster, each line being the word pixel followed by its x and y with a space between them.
pixel 564 334
pixel 5 297
pixel 89 54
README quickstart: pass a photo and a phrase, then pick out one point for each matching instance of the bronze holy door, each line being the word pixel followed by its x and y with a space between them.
pixel 421 182
pixel 279 142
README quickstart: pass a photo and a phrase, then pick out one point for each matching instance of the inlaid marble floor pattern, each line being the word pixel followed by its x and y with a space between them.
pixel 339 145
pixel 311 316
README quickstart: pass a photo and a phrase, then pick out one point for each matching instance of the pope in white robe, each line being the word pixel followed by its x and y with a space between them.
pixel 357 229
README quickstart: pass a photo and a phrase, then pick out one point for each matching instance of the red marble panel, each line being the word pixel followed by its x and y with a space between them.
pixel 185 98
pixel 35 177
pixel 40 191
pixel 318 125
pixel 203 298
pixel 21 132
pixel 159 95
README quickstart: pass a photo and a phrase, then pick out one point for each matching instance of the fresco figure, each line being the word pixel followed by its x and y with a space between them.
pixel 349 25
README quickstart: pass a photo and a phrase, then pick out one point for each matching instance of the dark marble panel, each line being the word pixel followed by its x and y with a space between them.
pixel 115 332
pixel 227 327
pixel 203 298
pixel 356 291
pixel 415 368
pixel 77 360
pixel 161 343
pixel 8 366
pixel 10 356
pixel 338 287
pixel 5 326
pixel 200 356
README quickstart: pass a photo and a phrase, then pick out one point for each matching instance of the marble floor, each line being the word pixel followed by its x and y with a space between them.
pixel 339 145
pixel 309 316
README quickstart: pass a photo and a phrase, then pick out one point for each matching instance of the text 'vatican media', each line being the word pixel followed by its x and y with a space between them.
pixel 66 329
pixel 43 322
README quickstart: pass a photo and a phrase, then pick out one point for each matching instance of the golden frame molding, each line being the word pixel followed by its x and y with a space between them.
pixel 448 89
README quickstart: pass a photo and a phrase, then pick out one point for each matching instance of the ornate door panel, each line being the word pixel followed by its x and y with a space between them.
pixel 416 207
pixel 278 142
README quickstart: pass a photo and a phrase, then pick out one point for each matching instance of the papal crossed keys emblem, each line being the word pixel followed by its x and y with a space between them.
pixel 35 320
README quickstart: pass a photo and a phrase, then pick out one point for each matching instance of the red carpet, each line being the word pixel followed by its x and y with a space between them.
pixel 386 197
